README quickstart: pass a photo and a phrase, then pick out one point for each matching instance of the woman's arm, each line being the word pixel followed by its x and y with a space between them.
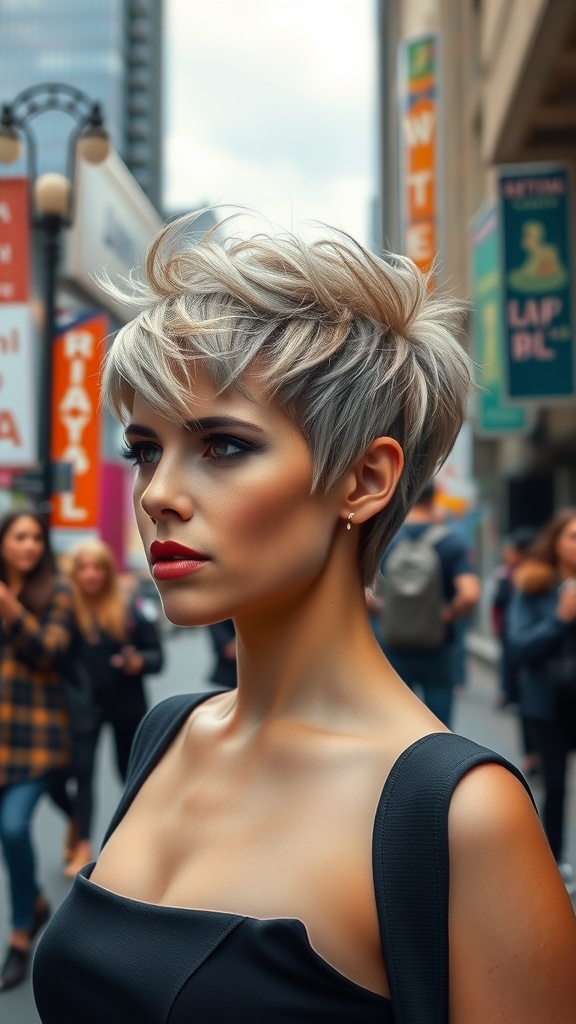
pixel 533 635
pixel 42 642
pixel 512 926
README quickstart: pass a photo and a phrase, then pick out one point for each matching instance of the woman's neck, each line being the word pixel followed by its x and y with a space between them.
pixel 313 657
pixel 15 579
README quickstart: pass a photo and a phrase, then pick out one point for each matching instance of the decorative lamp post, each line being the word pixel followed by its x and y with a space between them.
pixel 52 205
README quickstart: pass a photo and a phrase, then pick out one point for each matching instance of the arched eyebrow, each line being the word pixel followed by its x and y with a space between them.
pixel 199 426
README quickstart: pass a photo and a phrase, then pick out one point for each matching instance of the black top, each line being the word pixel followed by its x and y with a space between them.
pixel 109 958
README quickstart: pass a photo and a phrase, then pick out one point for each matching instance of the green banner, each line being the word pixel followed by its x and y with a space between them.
pixel 494 414
pixel 538 327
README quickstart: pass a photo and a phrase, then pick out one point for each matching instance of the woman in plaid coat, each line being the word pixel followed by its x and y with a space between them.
pixel 36 623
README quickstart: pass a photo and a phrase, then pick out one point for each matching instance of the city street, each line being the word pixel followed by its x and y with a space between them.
pixel 188 661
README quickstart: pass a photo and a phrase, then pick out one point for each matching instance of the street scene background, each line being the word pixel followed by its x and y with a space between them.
pixel 444 130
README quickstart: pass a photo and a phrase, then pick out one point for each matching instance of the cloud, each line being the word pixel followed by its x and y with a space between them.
pixel 271 103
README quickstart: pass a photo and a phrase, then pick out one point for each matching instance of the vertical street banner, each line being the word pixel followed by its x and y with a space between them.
pixel 534 201
pixel 78 352
pixel 18 441
pixel 418 118
pixel 494 415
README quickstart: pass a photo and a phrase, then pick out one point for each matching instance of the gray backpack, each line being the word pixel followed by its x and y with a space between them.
pixel 411 587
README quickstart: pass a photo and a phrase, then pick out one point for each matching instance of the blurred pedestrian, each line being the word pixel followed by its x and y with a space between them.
pixel 426 584
pixel 541 631
pixel 35 631
pixel 116 644
pixel 515 550
pixel 223 636
pixel 282 851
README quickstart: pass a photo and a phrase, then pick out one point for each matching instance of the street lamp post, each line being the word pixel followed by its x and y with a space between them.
pixel 52 205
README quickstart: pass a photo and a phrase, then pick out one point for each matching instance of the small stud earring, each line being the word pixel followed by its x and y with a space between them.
pixel 348 524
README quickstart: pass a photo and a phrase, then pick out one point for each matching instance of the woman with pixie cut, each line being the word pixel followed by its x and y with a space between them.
pixel 314 845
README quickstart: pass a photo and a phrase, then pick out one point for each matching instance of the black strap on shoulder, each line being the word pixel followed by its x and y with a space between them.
pixel 153 736
pixel 411 870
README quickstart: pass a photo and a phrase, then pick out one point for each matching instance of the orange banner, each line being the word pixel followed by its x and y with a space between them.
pixel 419 114
pixel 77 354
pixel 14 240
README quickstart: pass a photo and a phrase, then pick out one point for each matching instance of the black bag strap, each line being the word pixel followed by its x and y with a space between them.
pixel 154 734
pixel 411 870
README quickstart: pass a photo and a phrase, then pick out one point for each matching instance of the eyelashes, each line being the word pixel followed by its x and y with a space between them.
pixel 146 453
pixel 134 451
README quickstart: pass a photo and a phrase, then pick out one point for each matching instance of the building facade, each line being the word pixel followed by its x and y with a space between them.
pixel 478 144
pixel 112 50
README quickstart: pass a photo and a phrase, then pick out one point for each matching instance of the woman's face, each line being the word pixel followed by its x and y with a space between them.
pixel 233 490
pixel 23 545
pixel 90 575
pixel 566 545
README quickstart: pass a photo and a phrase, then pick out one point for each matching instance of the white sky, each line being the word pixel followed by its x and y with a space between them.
pixel 271 103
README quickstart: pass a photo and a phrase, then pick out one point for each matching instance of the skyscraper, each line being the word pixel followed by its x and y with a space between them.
pixel 111 49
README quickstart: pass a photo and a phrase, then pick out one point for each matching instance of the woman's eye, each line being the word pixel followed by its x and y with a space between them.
pixel 140 453
pixel 222 449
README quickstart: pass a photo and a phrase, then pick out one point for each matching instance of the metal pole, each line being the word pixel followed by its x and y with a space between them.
pixel 50 228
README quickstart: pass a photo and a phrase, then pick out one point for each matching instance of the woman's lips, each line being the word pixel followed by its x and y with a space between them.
pixel 175 569
pixel 171 561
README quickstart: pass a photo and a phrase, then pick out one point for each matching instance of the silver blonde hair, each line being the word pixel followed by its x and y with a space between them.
pixel 353 347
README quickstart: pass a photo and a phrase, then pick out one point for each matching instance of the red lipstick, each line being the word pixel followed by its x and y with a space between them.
pixel 171 561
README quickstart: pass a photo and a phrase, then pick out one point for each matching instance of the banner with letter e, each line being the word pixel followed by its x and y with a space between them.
pixel 418 98
pixel 534 203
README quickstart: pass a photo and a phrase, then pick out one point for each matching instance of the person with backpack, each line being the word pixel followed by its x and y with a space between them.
pixel 426 583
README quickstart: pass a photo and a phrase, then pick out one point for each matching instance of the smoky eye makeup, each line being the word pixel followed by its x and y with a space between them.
pixel 222 447
pixel 216 446
pixel 140 453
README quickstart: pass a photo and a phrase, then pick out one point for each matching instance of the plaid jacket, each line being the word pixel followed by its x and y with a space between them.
pixel 34 724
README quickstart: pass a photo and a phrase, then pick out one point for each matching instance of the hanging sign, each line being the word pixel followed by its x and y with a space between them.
pixel 14 240
pixel 78 352
pixel 536 264
pixel 418 98
pixel 494 415
pixel 18 441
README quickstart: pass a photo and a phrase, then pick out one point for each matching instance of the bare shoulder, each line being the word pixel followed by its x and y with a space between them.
pixel 512 926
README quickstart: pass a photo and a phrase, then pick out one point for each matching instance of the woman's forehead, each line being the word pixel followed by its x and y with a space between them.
pixel 245 399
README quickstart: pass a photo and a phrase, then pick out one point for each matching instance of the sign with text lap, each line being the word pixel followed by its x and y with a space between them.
pixel 536 266
pixel 494 414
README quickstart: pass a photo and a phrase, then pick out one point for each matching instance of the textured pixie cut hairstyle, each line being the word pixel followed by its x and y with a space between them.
pixel 352 346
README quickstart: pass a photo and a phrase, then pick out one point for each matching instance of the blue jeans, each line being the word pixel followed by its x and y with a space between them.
pixel 17 805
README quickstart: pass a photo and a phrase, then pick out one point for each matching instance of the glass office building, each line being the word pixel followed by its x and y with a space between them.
pixel 111 49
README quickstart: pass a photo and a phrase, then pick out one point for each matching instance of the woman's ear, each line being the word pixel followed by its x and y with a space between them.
pixel 373 479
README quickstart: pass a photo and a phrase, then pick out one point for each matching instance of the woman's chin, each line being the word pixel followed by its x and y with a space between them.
pixel 181 612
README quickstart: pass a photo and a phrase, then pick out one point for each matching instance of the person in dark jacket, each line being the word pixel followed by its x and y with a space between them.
pixel 223 636
pixel 115 646
pixel 516 549
pixel 36 625
pixel 541 627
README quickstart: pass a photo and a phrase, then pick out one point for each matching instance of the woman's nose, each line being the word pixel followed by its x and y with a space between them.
pixel 166 496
